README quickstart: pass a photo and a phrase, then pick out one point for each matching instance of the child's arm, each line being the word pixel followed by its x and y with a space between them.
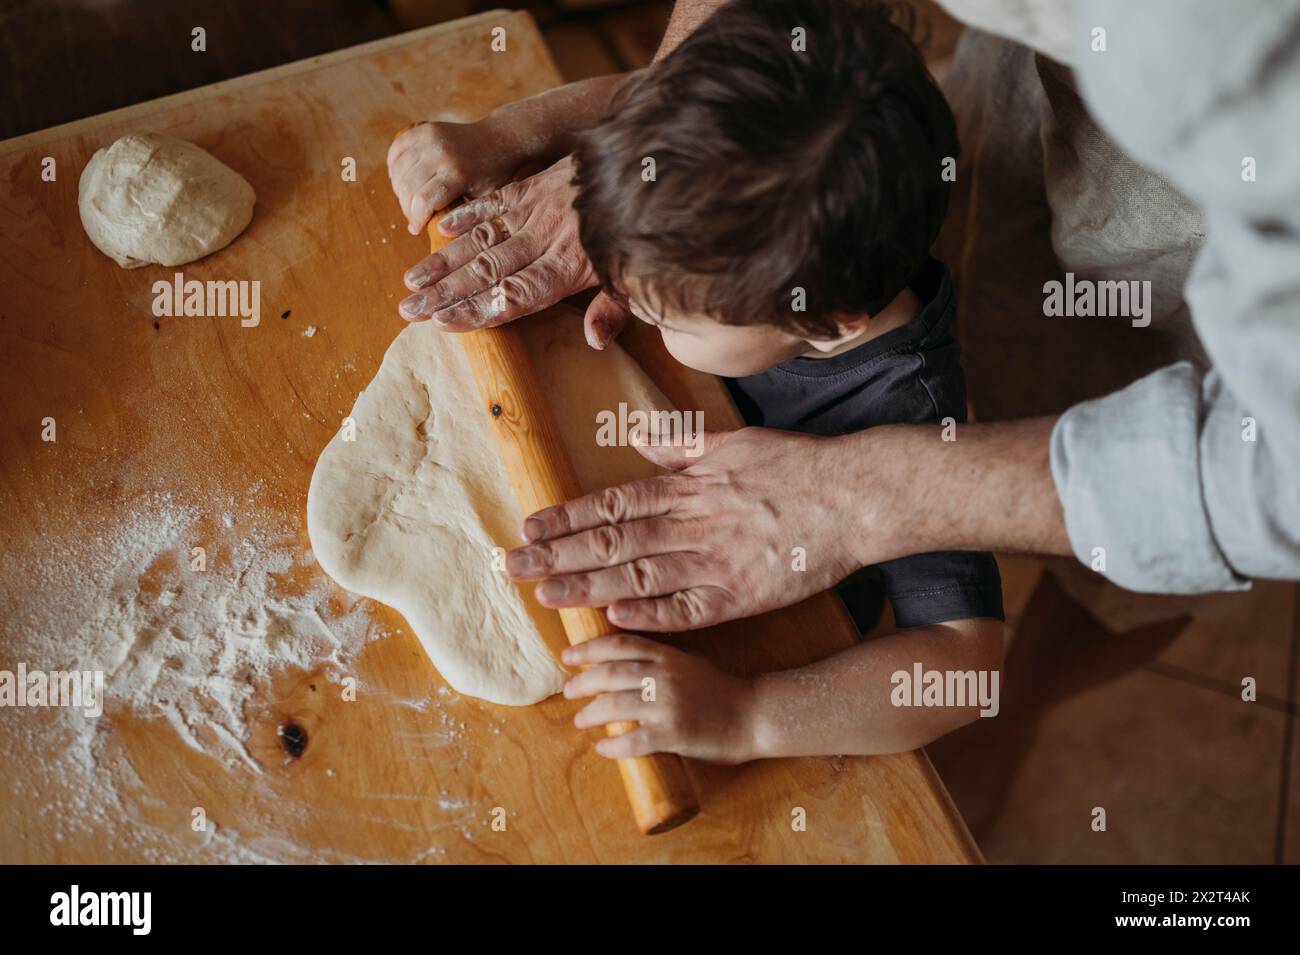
pixel 550 120
pixel 544 127
pixel 434 163
pixel 843 704
pixel 840 705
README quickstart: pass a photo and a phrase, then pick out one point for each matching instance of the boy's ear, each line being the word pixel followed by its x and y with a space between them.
pixel 848 324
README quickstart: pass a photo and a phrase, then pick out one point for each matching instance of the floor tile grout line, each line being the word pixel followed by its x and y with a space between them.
pixel 1190 677
pixel 1288 735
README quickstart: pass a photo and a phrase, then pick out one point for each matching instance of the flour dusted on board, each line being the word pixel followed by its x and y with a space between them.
pixel 192 649
pixel 184 646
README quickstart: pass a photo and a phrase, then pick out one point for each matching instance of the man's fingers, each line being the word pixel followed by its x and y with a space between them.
pixel 616 647
pixel 679 451
pixel 428 271
pixel 473 264
pixel 455 256
pixel 640 578
pixel 636 500
pixel 683 610
pixel 494 205
pixel 607 545
pixel 483 271
pixel 485 309
pixel 529 290
pixel 603 321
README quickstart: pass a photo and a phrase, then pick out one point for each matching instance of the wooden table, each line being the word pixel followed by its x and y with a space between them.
pixel 191 408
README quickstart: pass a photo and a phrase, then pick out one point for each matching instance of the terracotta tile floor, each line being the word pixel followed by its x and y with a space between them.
pixel 1150 725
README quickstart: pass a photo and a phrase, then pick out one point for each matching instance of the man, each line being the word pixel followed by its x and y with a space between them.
pixel 1183 482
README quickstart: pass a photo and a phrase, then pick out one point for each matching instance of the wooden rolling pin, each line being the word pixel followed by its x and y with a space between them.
pixel 534 456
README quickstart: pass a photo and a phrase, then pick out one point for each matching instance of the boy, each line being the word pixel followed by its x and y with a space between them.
pixel 767 196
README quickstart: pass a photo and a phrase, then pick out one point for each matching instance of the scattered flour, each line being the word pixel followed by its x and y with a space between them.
pixel 180 644
pixel 189 647
pixel 194 650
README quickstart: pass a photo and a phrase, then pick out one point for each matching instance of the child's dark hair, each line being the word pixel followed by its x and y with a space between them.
pixel 775 168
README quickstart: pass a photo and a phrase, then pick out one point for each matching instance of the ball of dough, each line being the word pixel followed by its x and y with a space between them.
pixel 150 199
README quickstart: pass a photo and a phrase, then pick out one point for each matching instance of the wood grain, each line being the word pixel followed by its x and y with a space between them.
pixel 226 418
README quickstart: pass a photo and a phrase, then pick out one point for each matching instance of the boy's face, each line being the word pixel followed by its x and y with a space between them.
pixel 733 351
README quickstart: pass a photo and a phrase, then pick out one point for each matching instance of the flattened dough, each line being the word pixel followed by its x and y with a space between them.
pixel 409 512
pixel 151 199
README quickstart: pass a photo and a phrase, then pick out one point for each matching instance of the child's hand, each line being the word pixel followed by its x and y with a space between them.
pixel 430 165
pixel 689 707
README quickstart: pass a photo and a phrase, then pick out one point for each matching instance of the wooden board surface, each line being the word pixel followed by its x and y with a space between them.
pixel 227 421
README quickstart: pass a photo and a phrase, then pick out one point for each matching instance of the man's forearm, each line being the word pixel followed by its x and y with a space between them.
pixel 990 488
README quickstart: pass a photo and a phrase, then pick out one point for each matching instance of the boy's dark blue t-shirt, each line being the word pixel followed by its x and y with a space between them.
pixel 907 376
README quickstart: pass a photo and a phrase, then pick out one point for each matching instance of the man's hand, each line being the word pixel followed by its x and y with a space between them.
pixel 517 251
pixel 726 536
pixel 684 704
pixel 753 524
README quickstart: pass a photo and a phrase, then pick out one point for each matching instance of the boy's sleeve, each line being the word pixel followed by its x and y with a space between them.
pixel 935 588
